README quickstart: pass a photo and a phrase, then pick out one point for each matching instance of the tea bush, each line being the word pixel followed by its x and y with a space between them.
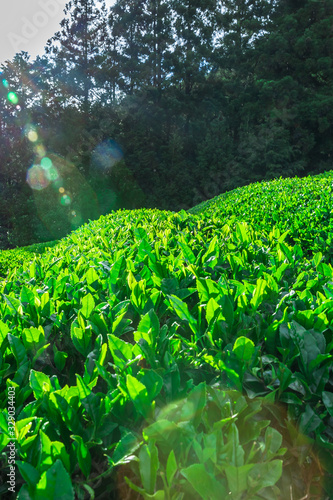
pixel 176 355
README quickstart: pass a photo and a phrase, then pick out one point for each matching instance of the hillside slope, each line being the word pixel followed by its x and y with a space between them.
pixel 190 352
pixel 303 207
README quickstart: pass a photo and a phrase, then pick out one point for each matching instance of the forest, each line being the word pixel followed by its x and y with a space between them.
pixel 164 104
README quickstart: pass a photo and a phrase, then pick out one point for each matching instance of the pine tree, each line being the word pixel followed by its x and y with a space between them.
pixel 193 41
pixel 129 23
pixel 158 40
pixel 295 74
pixel 75 47
pixel 107 75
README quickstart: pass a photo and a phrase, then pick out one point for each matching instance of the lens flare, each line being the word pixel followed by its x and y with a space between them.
pixel 65 200
pixel 46 162
pixel 12 97
pixel 36 178
pixel 55 209
pixel 51 173
pixel 61 190
pixel 5 83
pixel 33 136
pixel 31 133
pixel 106 155
pixel 57 183
pixel 40 150
pixel 76 219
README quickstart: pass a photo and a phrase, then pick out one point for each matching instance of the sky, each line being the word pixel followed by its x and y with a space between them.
pixel 27 25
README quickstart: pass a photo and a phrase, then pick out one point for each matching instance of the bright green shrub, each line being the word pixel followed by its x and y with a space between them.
pixel 141 310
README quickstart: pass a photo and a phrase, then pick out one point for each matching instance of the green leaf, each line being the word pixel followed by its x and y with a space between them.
pixel 27 296
pixel 33 339
pixel 171 467
pixel 13 303
pixel 187 252
pixel 204 483
pixel 195 404
pixel 54 484
pixel 140 234
pixel 4 440
pixel 328 401
pixel 325 269
pixel 18 350
pixel 87 305
pixel 161 430
pixel 237 478
pixel 39 353
pixel 227 309
pixel 169 286
pixel 83 455
pixel 81 339
pixel 309 421
pixel 207 289
pixel 121 351
pixel 58 451
pixel 139 395
pixel 233 448
pixel 29 473
pixel 317 258
pixel 149 325
pixel 244 348
pixel 84 390
pixel 273 441
pixel 91 276
pixel 115 270
pixel 241 232
pixel 153 383
pixel 125 448
pixel 90 401
pixel 266 474
pixel 46 451
pixel 182 311
pixel 213 310
pixel 258 295
pixel 59 358
pixel 39 383
pixel 159 495
pixel 4 329
pixel 148 464
pixel 24 494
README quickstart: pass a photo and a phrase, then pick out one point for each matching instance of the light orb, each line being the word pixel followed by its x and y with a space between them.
pixel 36 178
pixel 12 97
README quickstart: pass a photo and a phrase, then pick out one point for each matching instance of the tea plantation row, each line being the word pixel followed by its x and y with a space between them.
pixel 165 355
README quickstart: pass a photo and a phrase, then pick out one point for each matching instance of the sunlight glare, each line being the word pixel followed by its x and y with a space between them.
pixel 65 200
pixel 36 178
pixel 51 173
pixel 12 97
pixel 106 155
pixel 40 151
pixel 32 136
pixel 46 162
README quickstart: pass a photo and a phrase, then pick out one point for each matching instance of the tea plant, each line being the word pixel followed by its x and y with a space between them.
pixel 190 353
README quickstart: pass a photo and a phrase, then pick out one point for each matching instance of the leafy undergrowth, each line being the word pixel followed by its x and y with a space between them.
pixel 174 355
